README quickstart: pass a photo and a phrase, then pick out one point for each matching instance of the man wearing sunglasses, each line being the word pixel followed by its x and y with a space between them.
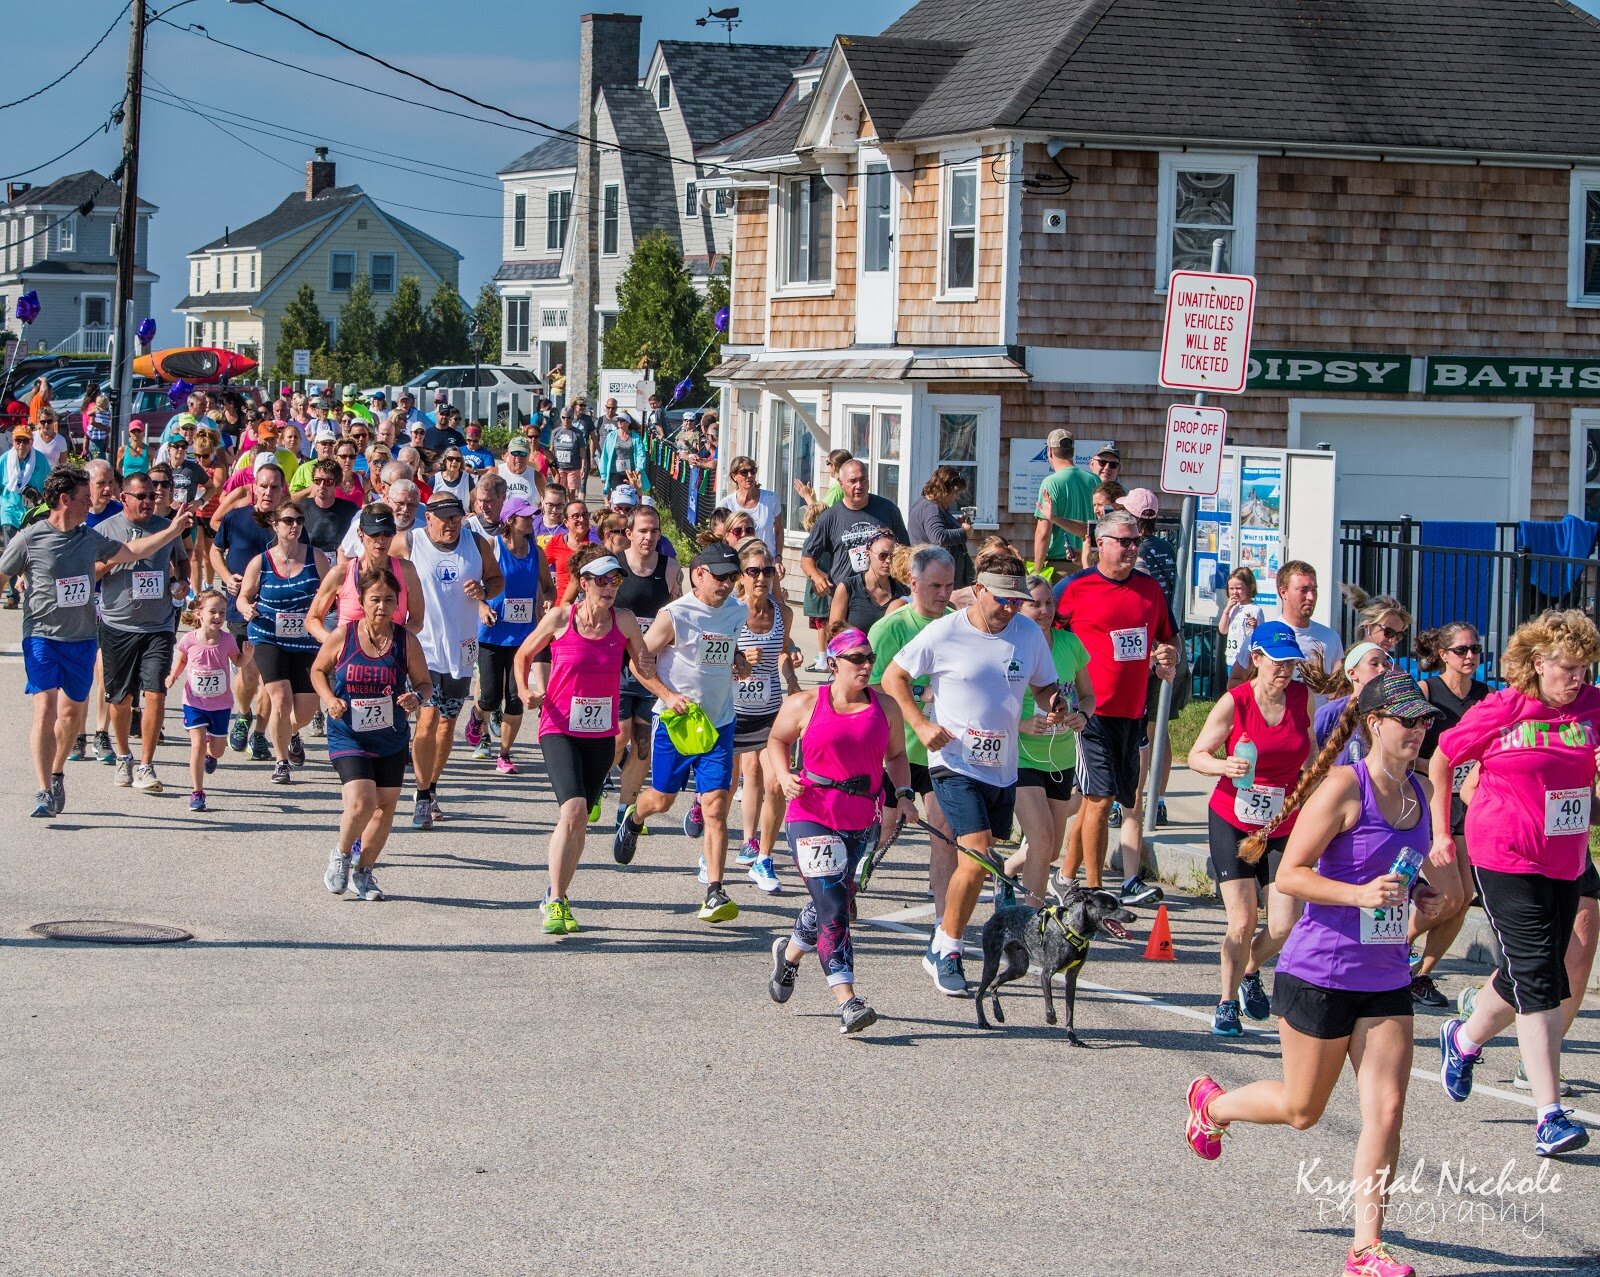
pixel 329 517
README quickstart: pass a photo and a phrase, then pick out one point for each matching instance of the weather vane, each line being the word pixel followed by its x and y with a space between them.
pixel 727 18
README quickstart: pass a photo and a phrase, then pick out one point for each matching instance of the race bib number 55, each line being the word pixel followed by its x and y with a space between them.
pixel 1258 805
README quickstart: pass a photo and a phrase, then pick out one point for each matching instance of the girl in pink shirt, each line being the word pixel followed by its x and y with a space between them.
pixel 203 659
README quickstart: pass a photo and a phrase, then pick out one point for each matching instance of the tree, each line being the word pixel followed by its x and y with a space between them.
pixel 487 313
pixel 447 328
pixel 660 317
pixel 355 354
pixel 302 328
pixel 403 332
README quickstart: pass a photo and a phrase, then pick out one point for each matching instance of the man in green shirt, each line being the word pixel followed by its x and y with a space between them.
pixel 1066 505
pixel 933 576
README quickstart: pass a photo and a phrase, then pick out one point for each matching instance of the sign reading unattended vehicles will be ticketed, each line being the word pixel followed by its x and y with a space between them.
pixel 1205 343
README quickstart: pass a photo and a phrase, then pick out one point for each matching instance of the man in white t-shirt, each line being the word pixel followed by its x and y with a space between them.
pixel 1297 599
pixel 520 480
pixel 979 663
pixel 749 497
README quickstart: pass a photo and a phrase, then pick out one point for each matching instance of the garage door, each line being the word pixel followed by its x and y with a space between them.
pixel 1428 467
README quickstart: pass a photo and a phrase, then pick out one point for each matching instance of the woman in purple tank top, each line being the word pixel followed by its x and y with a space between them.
pixel 848 735
pixel 1343 987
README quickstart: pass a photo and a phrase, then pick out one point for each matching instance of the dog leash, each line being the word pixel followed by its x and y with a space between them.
pixel 870 860
pixel 998 870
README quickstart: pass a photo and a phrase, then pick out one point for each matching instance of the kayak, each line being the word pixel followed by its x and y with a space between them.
pixel 199 365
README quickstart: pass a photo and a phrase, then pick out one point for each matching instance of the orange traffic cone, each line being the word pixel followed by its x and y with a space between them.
pixel 1159 946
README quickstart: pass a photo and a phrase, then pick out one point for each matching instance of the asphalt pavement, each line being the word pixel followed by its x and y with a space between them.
pixel 430 1085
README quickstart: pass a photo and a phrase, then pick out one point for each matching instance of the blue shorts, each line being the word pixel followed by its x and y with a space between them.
pixel 974 806
pixel 215 721
pixel 669 770
pixel 55 663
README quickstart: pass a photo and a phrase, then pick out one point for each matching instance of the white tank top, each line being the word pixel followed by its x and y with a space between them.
pixel 699 664
pixel 449 635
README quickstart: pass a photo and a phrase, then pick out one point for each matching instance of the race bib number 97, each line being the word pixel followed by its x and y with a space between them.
pixel 589 714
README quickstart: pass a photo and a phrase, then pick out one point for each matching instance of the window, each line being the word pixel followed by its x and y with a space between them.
pixel 1204 198
pixel 1583 230
pixel 691 200
pixel 96 311
pixel 720 202
pixel 233 266
pixel 517 325
pixel 341 271
pixel 610 208
pixel 252 271
pixel 663 92
pixel 197 282
pixel 961 229
pixel 380 266
pixel 958 446
pixel 332 325
pixel 875 438
pixel 64 238
pixel 557 212
pixel 965 435
pixel 217 279
pixel 5 308
pixel 877 217
pixel 553 317
pixel 797 454
pixel 807 229
pixel 519 221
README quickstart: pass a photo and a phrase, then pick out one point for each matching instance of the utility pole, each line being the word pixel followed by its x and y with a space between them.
pixel 128 230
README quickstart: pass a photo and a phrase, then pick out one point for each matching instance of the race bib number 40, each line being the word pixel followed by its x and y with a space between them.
pixel 716 650
pixel 821 856
pixel 1258 805
pixel 371 713
pixel 1566 811
pixel 72 591
pixel 589 714
pixel 983 749
pixel 1131 644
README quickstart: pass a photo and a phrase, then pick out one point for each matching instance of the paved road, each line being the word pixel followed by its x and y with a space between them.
pixel 430 1085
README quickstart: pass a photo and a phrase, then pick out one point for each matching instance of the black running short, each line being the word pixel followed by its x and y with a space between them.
pixel 135 662
pixel 1532 918
pixel 1589 881
pixel 1225 863
pixel 1108 758
pixel 1332 1013
pixel 1057 786
pixel 750 731
pixel 286 665
pixel 388 772
pixel 921 780
pixel 578 765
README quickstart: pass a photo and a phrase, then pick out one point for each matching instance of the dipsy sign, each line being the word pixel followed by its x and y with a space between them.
pixel 1372 373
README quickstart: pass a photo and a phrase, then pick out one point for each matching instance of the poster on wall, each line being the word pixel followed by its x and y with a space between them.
pixel 1213 544
pixel 1030 466
pixel 1260 523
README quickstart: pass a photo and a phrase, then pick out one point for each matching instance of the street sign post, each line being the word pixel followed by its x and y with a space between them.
pixel 1205 345
pixel 302 363
pixel 1191 459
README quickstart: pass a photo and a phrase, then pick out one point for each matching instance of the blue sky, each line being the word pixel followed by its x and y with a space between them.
pixel 203 180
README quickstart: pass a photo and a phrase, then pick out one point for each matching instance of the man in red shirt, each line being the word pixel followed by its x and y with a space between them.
pixel 1122 618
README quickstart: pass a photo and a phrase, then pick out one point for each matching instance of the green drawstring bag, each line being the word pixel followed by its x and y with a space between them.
pixel 691 732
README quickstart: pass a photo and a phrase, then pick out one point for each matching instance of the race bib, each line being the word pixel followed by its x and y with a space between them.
pixel 860 558
pixel 716 650
pixel 519 611
pixel 983 749
pixel 1458 776
pixel 1566 811
pixel 289 624
pixel 821 856
pixel 1385 926
pixel 1130 645
pixel 589 714
pixel 149 585
pixel 72 591
pixel 1258 805
pixel 469 653
pixel 204 684
pixel 371 713
pixel 750 693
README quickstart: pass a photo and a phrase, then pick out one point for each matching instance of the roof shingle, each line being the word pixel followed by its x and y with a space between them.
pixel 72 190
pixel 557 152
pixel 726 88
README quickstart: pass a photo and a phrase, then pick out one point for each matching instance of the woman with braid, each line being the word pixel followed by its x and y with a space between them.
pixel 1342 988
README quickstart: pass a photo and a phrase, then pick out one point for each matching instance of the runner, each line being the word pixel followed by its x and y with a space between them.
pixel 370 675
pixel 695 640
pixel 558 550
pixel 650 581
pixel 58 555
pixel 21 468
pixel 488 505
pixel 375 533
pixel 750 498
pixel 242 536
pixel 848 735
pixel 862 598
pixel 1527 837
pixel 589 642
pixel 202 659
pixel 275 597
pixel 1342 989
pixel 453 477
pixel 1362 663
pixel 1272 713
pixel 979 663
pixel 517 607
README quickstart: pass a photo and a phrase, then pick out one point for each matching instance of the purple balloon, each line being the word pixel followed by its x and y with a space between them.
pixel 721 320
pixel 682 388
pixel 179 394
pixel 146 331
pixel 28 307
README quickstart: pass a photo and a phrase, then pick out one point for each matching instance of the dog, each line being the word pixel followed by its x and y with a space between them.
pixel 1056 937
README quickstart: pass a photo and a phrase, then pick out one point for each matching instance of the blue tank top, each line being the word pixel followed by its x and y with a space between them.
pixel 515 605
pixel 372 724
pixel 281 606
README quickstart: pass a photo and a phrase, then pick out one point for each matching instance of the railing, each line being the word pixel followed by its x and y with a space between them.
pixel 689 492
pixel 85 341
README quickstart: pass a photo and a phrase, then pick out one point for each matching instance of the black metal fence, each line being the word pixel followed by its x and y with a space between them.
pixel 689 492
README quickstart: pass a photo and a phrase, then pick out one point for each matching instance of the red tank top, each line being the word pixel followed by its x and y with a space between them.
pixel 1280 753
pixel 350 609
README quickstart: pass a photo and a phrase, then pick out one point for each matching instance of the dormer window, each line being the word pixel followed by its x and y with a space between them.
pixel 663 91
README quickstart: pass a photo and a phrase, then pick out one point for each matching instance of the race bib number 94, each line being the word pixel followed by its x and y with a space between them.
pixel 518 611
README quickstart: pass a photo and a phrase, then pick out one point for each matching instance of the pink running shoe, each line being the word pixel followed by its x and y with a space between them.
pixel 474 728
pixel 1375 1261
pixel 505 766
pixel 1204 1135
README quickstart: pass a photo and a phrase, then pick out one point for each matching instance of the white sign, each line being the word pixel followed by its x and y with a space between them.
pixel 1191 461
pixel 630 387
pixel 1206 342
pixel 302 363
pixel 1030 467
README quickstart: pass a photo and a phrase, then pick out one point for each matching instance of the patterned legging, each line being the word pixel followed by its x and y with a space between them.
pixel 823 926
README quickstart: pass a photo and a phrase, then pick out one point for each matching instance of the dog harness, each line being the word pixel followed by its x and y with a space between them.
pixel 1077 945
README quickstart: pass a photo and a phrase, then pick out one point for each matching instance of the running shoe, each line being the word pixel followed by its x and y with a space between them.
pixel 80 750
pixel 1225 1020
pixel 556 916
pixel 337 877
pixel 144 777
pixel 297 751
pixel 626 840
pixel 948 976
pixel 260 747
pixel 484 750
pixel 718 907
pixel 319 724
pixel 1115 820
pixel 1005 895
pixel 1375 1261
pixel 506 767
pixel 781 983
pixel 1557 1134
pixel 281 773
pixel 1161 811
pixel 42 805
pixel 496 723
pixel 1136 891
pixel 1204 1135
pixel 197 800
pixel 474 729
pixel 567 919
pixel 594 813
pixel 694 822
pixel 239 733
pixel 434 808
pixel 211 765
pixel 701 875
pixel 421 813
pixel 1519 1079
pixel 1413 958
pixel 1467 1001
pixel 1425 993
pixel 765 876
pixel 1060 883
pixel 856 1015
pixel 819 664
pixel 123 776
pixel 1455 1066
pixel 364 885
pixel 749 853
pixel 1253 996
pixel 58 793
pixel 103 750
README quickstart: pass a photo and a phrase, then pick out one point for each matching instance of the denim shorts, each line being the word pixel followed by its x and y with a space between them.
pixel 974 806
pixel 669 770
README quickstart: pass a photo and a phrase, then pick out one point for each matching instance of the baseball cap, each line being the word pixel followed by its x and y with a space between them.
pixel 327 435
pixel 446 507
pixel 518 447
pixel 718 560
pixel 515 508
pixel 349 394
pixel 21 432
pixel 1276 641
pixel 419 425
pixel 1141 503
pixel 439 396
pixel 1396 695
pixel 690 416
pixel 1005 586
pixel 377 520
pixel 648 500
pixel 603 566
pixel 406 394
pixel 136 424
pixel 1110 450
pixel 1058 439
pixel 624 494
pixel 377 395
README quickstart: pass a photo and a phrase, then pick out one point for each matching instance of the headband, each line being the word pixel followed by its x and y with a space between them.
pixel 1353 657
pixel 847 641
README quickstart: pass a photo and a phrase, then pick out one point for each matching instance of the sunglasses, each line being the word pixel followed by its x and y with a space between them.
pixel 161 483
pixel 345 456
pixel 320 479
pixel 1465 649
pixel 1128 542
pixel 292 518
pixel 857 658
pixel 138 496
pixel 612 579
pixel 1389 631
pixel 743 530
pixel 755 574
pixel 1411 721
pixel 744 473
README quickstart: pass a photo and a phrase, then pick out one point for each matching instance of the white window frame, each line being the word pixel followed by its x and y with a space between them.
pixel 961 164
pixel 233 272
pixel 987 408
pixel 555 228
pixel 394 273
pixel 1583 421
pixel 611 218
pixel 334 257
pixel 519 220
pixel 252 272
pixel 691 199
pixel 511 327
pixel 1243 168
pixel 1583 181
pixel 64 235
pixel 663 91
pixel 83 309
pixel 216 281
pixel 794 533
pixel 719 202
pixel 820 287
pixel 848 403
pixel 199 281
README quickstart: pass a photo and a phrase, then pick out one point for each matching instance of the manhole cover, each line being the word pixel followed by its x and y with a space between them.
pixel 100 931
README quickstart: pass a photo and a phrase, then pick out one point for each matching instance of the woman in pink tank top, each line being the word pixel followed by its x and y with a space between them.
pixel 849 734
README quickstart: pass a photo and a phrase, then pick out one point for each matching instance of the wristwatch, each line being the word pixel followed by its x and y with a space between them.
pixel 906 792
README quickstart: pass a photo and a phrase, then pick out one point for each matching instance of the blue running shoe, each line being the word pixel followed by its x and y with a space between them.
pixel 701 876
pixel 1253 996
pixel 626 840
pixel 1225 1020
pixel 1455 1067
pixel 694 822
pixel 749 853
pixel 947 973
pixel 1558 1134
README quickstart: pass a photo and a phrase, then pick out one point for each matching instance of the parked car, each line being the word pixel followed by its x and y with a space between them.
pixel 17 379
pixel 500 389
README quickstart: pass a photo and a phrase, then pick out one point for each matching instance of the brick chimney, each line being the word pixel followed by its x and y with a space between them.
pixel 319 174
pixel 14 189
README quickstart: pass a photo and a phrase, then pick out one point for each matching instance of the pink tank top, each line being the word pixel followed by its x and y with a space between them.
pixel 840 746
pixel 585 680
pixel 350 609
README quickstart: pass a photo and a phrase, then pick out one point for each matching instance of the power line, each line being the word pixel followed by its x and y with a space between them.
pixel 83 210
pixel 113 118
pixel 115 23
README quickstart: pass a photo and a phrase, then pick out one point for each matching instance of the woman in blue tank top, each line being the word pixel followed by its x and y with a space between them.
pixel 370 674
pixel 1343 987
pixel 516 610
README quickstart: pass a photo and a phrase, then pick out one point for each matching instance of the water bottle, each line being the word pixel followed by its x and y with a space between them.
pixel 1408 864
pixel 1245 749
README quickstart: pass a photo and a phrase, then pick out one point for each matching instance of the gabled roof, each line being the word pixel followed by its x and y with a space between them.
pixel 775 137
pixel 72 190
pixel 726 88
pixel 293 214
pixel 895 76
pixel 218 301
pixel 557 152
pixel 104 268
pixel 647 177
pixel 528 272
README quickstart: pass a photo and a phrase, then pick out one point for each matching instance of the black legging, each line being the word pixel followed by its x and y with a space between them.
pixel 823 926
pixel 497 682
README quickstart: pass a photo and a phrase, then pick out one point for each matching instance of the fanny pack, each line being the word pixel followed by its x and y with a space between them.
pixel 855 786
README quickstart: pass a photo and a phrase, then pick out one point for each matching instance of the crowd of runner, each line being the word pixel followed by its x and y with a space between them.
pixel 375 576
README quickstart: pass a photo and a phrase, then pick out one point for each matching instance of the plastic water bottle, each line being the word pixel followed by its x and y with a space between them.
pixel 1245 749
pixel 1408 864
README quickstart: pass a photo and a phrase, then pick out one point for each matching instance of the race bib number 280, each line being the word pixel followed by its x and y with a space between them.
pixel 983 749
